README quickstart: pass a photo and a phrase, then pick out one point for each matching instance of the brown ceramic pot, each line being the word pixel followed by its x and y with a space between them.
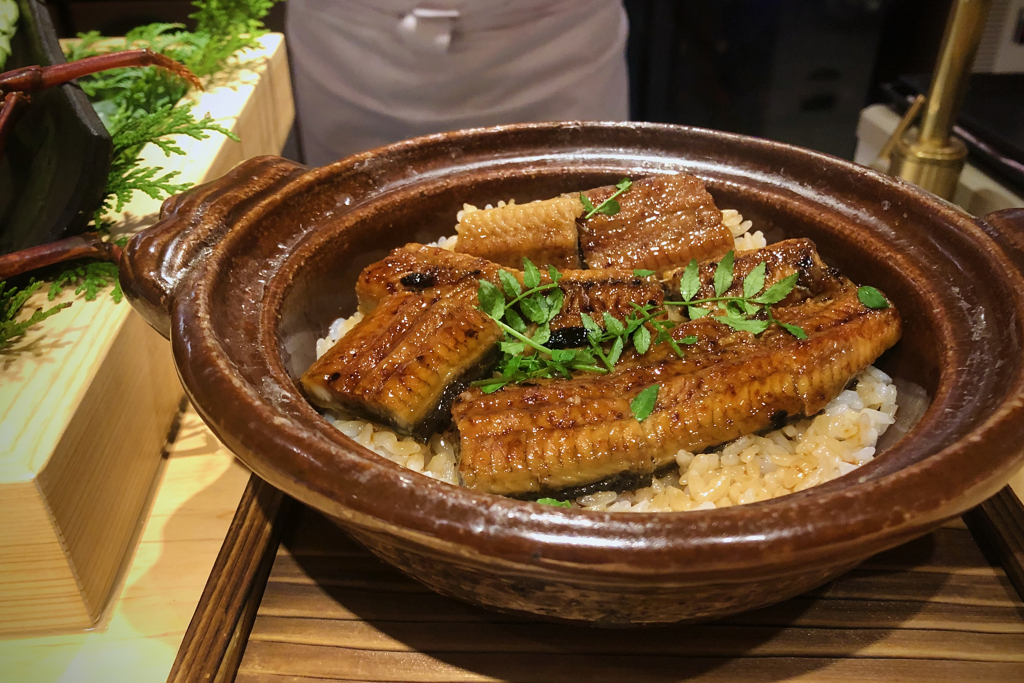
pixel 245 273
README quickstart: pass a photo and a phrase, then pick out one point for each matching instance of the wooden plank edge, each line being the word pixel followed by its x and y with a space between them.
pixel 998 527
pixel 215 640
pixel 228 668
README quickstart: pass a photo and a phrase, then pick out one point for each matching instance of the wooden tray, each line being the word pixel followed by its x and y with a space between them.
pixel 317 607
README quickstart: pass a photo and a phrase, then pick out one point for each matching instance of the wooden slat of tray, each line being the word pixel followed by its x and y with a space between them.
pixel 932 610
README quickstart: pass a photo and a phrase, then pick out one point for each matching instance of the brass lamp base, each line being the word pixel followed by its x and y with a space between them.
pixel 935 168
pixel 931 158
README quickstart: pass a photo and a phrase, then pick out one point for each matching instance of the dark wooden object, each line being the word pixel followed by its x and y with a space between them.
pixel 999 522
pixel 54 169
pixel 931 610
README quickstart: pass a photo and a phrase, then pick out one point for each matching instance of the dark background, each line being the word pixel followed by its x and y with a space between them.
pixel 798 71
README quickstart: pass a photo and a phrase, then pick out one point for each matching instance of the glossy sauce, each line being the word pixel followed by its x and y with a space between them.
pixel 663 222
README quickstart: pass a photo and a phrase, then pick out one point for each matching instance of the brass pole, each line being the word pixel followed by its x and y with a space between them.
pixel 932 159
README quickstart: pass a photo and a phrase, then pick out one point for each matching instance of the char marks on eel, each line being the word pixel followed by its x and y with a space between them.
pixel 562 434
pixel 663 222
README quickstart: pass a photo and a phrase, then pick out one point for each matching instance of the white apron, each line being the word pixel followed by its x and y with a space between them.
pixel 368 73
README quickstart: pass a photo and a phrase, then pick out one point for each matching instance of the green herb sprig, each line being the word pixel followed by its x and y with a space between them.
pixel 608 207
pixel 88 278
pixel 635 329
pixel 140 106
pixel 514 306
pixel 510 307
pixel 12 300
pixel 738 311
pixel 872 298
pixel 127 174
pixel 554 503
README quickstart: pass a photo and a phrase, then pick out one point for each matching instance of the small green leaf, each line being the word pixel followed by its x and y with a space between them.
pixel 512 366
pixel 643 405
pixel 743 325
pixel 723 274
pixel 529 365
pixel 642 339
pixel 640 272
pixel 733 309
pixel 750 308
pixel 588 206
pixel 695 312
pixel 542 335
pixel 616 352
pixel 515 321
pixel 555 503
pixel 689 285
pixel 491 385
pixel 872 298
pixel 563 355
pixel 794 330
pixel 531 276
pixel 589 323
pixel 691 339
pixel 492 301
pixel 584 357
pixel 510 284
pixel 608 207
pixel 555 300
pixel 613 325
pixel 535 309
pixel 779 291
pixel 754 281
pixel 554 274
pixel 512 348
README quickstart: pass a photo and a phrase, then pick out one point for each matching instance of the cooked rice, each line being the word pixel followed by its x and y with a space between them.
pixel 447 243
pixel 752 468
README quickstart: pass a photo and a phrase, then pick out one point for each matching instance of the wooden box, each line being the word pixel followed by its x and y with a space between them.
pixel 86 398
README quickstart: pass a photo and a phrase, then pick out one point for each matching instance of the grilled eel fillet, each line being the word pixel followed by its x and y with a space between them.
pixel 663 222
pixel 543 231
pixel 415 267
pixel 558 435
pixel 423 338
pixel 405 362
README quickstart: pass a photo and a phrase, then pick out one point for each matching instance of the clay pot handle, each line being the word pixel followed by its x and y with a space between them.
pixel 156 260
pixel 1006 227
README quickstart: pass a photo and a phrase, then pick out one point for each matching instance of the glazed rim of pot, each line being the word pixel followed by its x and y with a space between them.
pixel 959 452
